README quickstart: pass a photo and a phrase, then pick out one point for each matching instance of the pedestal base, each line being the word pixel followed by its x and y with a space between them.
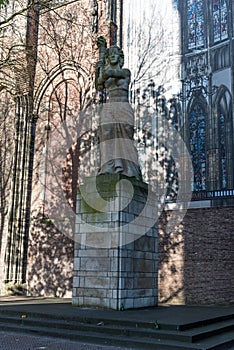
pixel 116 260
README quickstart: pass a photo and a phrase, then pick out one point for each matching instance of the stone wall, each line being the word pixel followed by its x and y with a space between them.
pixel 196 261
pixel 50 260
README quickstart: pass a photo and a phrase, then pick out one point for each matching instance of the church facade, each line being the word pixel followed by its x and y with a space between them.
pixel 207 79
pixel 206 117
pixel 48 81
pixel 195 50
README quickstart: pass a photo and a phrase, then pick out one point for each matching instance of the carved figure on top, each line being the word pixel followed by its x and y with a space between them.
pixel 118 153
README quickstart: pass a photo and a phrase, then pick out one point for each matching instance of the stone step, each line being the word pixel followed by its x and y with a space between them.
pixel 196 324
pixel 199 338
pixel 209 330
pixel 102 339
pixel 121 320
pixel 224 341
pixel 204 322
pixel 101 327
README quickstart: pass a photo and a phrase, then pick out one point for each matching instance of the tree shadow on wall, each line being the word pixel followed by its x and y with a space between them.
pixel 50 260
pixel 209 256
pixel 171 262
pixel 196 258
pixel 51 246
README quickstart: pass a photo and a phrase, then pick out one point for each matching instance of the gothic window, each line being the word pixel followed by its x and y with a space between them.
pixel 225 127
pixel 62 99
pixel 197 143
pixel 223 161
pixel 195 23
pixel 220 19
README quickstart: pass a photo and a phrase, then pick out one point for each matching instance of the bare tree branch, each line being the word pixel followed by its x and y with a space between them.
pixel 15 14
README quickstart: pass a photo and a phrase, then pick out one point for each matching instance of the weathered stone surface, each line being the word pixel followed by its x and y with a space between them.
pixel 116 275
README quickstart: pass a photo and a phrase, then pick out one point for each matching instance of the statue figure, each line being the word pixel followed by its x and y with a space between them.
pixel 118 153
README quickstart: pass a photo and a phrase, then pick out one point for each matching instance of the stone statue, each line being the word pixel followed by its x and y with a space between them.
pixel 118 153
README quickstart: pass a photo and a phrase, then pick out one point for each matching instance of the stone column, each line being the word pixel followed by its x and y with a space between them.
pixel 116 254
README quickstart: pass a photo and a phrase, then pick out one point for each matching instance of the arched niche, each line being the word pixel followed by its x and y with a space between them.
pixel 223 114
pixel 65 94
pixel 196 131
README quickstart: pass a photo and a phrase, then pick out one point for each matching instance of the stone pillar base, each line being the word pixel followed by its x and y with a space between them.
pixel 116 259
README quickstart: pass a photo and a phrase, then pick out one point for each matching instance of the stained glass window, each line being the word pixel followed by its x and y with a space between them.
pixel 223 160
pixel 197 141
pixel 220 19
pixel 195 23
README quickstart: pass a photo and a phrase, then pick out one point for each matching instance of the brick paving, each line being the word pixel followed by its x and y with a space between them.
pixel 15 341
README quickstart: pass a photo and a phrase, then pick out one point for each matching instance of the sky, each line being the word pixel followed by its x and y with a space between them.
pixel 162 14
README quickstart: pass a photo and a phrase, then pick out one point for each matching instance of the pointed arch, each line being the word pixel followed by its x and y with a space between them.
pixel 8 85
pixel 65 93
pixel 53 74
pixel 224 131
pixel 196 131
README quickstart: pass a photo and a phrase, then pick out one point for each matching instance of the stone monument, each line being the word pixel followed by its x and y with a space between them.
pixel 116 259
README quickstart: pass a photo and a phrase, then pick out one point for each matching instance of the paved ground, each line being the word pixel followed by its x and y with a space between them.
pixel 14 341
pixel 62 309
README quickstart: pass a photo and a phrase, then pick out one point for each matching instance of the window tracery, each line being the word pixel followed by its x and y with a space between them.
pixel 197 143
pixel 224 126
pixel 223 161
pixel 220 20
pixel 195 23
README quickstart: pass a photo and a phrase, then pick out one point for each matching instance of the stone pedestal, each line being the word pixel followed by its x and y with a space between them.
pixel 116 260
